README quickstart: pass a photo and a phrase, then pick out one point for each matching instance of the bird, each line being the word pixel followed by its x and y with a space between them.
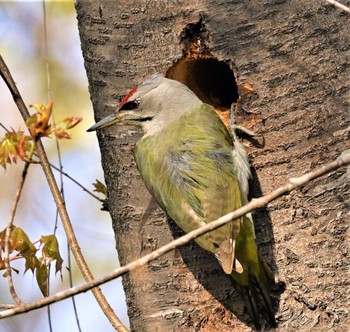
pixel 197 172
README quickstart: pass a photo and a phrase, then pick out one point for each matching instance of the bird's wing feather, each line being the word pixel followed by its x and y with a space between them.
pixel 189 169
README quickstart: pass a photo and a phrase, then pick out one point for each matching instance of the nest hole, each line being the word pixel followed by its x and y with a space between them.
pixel 211 80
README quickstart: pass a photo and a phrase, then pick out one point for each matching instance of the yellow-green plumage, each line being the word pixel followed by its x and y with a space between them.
pixel 192 176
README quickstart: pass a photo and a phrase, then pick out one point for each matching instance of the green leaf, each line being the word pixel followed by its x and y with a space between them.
pixel 19 241
pixel 2 240
pixel 51 251
pixel 100 187
pixel 13 269
pixel 8 149
pixel 32 262
pixel 42 275
pixel 58 266
pixel 15 144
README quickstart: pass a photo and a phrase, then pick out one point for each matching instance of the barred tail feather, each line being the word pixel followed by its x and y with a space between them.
pixel 250 302
pixel 253 284
pixel 254 289
pixel 262 285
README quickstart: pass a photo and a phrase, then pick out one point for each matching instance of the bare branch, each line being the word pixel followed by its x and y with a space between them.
pixel 67 225
pixel 292 184
pixel 339 5
pixel 7 306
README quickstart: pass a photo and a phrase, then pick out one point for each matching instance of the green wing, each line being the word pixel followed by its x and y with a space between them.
pixel 189 169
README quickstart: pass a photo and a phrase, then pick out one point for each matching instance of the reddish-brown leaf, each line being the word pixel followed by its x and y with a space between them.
pixel 38 123
pixel 72 121
pixel 61 134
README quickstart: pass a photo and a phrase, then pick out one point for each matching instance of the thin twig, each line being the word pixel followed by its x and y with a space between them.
pixel 13 292
pixel 18 194
pixel 339 5
pixel 67 225
pixel 254 204
pixel 77 183
pixel 47 65
pixel 58 149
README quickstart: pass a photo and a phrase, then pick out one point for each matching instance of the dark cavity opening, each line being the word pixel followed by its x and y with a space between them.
pixel 210 79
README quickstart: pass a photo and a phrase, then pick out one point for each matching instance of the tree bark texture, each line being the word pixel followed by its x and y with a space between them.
pixel 291 64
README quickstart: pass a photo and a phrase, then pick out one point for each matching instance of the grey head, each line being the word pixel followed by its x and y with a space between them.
pixel 152 105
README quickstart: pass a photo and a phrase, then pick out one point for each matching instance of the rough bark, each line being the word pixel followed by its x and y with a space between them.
pixel 295 56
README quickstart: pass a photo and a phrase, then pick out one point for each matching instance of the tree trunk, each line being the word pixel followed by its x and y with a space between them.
pixel 290 60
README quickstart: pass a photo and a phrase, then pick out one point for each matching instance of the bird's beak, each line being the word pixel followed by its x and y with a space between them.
pixel 106 122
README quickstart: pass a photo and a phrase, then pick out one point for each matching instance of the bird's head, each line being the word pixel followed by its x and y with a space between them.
pixel 151 105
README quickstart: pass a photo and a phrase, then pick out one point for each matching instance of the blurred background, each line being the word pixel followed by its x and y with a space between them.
pixel 23 49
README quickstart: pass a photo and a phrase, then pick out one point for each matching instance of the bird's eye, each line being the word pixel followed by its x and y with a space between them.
pixel 130 105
